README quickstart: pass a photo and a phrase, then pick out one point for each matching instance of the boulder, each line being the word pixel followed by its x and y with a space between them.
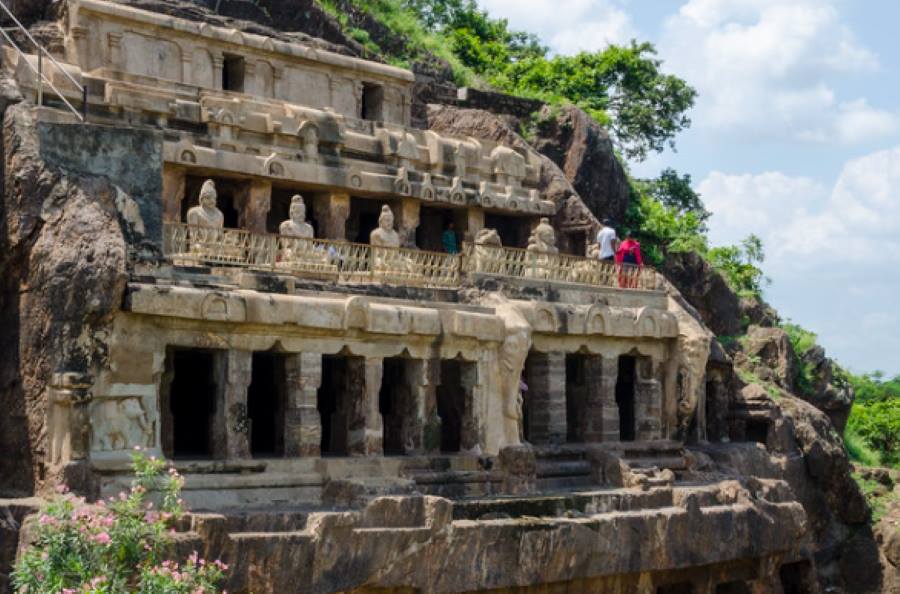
pixel 756 311
pixel 829 394
pixel 583 151
pixel 706 290
pixel 771 355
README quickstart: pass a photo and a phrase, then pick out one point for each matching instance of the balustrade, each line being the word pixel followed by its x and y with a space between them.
pixel 347 262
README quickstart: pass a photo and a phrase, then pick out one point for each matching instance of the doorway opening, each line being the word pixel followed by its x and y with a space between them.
pixel 266 398
pixel 625 383
pixel 191 403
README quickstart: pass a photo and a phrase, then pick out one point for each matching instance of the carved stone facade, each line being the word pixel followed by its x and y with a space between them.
pixel 289 343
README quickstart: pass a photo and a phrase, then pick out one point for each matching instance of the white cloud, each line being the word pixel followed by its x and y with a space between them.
pixel 832 252
pixel 766 70
pixel 567 26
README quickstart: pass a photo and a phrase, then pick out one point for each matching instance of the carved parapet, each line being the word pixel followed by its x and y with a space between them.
pixel 69 425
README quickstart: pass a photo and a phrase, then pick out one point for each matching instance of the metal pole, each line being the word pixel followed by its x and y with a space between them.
pixel 40 95
pixel 84 104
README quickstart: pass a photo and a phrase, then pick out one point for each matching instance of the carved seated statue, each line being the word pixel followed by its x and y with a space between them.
pixel 542 242
pixel 206 214
pixel 488 252
pixel 297 250
pixel 207 222
pixel 384 239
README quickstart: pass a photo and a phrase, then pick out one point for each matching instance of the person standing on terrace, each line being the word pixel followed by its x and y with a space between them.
pixel 448 238
pixel 607 240
pixel 629 259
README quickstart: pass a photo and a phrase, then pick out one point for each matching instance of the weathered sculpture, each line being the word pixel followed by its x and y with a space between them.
pixel 206 214
pixel 391 264
pixel 543 238
pixel 542 246
pixel 384 235
pixel 296 225
pixel 488 255
pixel 297 250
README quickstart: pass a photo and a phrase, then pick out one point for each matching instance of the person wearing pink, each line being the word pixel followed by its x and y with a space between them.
pixel 628 254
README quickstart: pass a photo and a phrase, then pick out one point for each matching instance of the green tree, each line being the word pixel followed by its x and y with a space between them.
pixel 675 191
pixel 739 265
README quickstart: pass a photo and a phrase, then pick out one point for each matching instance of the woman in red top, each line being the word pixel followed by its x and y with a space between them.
pixel 628 257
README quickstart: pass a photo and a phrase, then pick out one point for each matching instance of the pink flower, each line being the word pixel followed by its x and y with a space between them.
pixel 62 489
pixel 102 538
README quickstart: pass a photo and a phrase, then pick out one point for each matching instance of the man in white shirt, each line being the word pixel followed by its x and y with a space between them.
pixel 607 240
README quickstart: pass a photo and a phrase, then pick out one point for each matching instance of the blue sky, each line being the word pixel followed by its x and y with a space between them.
pixel 795 137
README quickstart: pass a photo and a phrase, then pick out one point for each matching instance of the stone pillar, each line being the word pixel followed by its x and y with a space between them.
pixel 114 58
pixel 68 422
pixel 331 211
pixel 470 438
pixel 302 423
pixel 472 223
pixel 648 399
pixel 231 429
pixel 364 425
pixel 250 81
pixel 545 375
pixel 173 192
pixel 420 411
pixel 253 201
pixel 408 221
pixel 187 74
pixel 610 410
pixel 592 417
pixel 218 62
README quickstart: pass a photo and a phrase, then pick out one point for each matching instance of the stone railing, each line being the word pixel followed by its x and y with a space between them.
pixel 347 262
pixel 519 263
pixel 339 261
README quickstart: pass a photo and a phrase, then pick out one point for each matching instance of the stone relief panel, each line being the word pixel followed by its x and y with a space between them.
pixel 150 56
pixel 202 69
pixel 120 424
pixel 307 88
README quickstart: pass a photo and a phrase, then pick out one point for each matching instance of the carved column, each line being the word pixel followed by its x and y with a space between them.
pixel 172 192
pixel 648 399
pixel 218 63
pixel 231 429
pixel 408 221
pixel 420 409
pixel 546 379
pixel 426 378
pixel 331 211
pixel 302 424
pixel 251 86
pixel 473 223
pixel 364 425
pixel 187 73
pixel 592 418
pixel 469 435
pixel 68 423
pixel 114 55
pixel 610 410
pixel 253 201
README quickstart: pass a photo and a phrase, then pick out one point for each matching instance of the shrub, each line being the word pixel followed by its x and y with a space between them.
pixel 878 423
pixel 858 450
pixel 117 545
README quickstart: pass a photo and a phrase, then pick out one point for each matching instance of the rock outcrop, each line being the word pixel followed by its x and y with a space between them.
pixel 584 152
pixel 706 290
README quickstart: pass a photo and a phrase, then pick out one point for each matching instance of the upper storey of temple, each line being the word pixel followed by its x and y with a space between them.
pixel 237 104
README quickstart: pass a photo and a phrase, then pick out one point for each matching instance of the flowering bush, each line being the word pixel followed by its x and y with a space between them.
pixel 117 545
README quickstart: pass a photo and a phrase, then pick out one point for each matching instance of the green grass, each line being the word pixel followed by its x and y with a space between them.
pixel 858 450
pixel 877 496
